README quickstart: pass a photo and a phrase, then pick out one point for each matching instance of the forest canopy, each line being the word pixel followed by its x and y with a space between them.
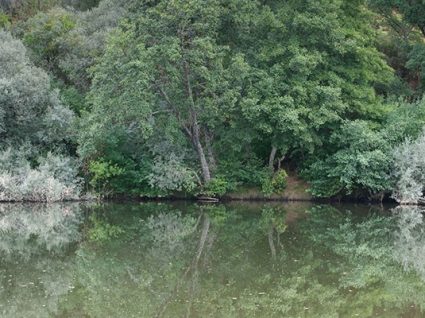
pixel 204 98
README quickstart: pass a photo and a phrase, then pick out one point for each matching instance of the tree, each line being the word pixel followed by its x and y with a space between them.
pixel 22 9
pixel 30 111
pixel 402 38
pixel 66 43
pixel 314 65
pixel 167 62
pixel 86 42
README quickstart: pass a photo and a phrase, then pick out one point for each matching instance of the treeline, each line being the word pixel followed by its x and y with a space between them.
pixel 156 97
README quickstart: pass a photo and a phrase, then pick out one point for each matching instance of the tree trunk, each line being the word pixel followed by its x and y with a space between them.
pixel 211 158
pixel 279 162
pixel 271 158
pixel 201 154
pixel 195 125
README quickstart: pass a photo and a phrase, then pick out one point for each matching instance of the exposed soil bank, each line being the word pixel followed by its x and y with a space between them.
pixel 296 190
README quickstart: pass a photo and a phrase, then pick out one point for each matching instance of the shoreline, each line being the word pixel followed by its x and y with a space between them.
pixel 224 199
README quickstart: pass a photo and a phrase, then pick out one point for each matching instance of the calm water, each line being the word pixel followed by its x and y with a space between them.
pixel 191 260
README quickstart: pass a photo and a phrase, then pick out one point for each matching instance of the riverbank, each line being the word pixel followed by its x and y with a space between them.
pixel 296 190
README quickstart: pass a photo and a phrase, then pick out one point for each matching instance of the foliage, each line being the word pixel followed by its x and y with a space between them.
pixel 86 42
pixel 167 71
pixel 216 187
pixel 22 9
pixel 403 31
pixel 171 175
pixel 279 181
pixel 102 172
pixel 194 97
pixel 309 58
pixel 81 5
pixel 102 231
pixel 242 172
pixel 4 20
pixel 409 168
pixel 275 184
pixel 31 114
pixel 54 179
pixel 42 35
pixel 29 109
pixel 147 93
pixel 363 161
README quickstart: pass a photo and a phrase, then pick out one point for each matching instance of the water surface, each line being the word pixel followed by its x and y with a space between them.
pixel 192 260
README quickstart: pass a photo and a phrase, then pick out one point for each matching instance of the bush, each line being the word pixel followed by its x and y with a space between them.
pixel 360 166
pixel 249 172
pixel 102 173
pixel 215 187
pixel 275 184
pixel 172 174
pixel 42 34
pixel 55 178
pixel 409 169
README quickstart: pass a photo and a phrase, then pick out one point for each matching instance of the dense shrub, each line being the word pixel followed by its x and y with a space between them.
pixel 54 179
pixel 275 183
pixel 409 169
pixel 29 109
pixel 360 166
pixel 215 187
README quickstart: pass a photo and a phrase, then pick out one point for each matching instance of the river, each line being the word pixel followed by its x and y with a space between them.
pixel 211 260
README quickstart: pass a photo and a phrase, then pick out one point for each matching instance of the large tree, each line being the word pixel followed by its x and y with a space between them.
pixel 167 63
pixel 314 64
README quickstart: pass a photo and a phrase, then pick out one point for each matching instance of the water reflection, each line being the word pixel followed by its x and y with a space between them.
pixel 409 243
pixel 29 229
pixel 188 260
pixel 34 274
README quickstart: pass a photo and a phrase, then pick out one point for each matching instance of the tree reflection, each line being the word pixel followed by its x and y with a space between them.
pixel 273 223
pixel 191 274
